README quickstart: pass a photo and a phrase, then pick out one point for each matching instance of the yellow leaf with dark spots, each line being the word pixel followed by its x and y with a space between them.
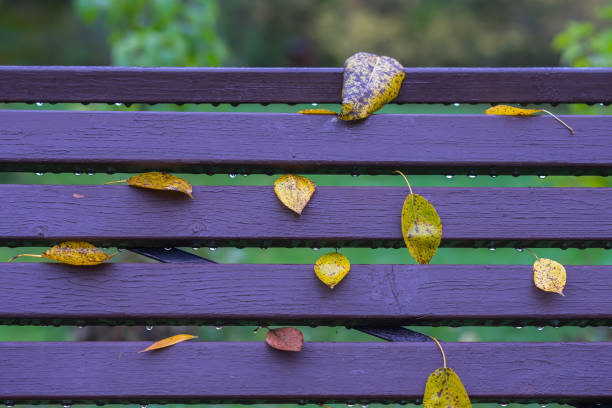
pixel 332 268
pixel 444 389
pixel 318 112
pixel 370 82
pixel 507 110
pixel 158 181
pixel 294 191
pixel 73 253
pixel 549 275
pixel 168 341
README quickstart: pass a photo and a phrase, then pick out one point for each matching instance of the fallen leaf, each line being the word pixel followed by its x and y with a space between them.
pixel 285 339
pixel 318 112
pixel 507 110
pixel 421 226
pixel 370 82
pixel 549 275
pixel 77 195
pixel 332 268
pixel 445 390
pixel 73 253
pixel 158 181
pixel 169 341
pixel 294 191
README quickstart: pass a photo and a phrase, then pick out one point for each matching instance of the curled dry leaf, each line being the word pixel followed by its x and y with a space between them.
pixel 549 275
pixel 158 181
pixel 332 268
pixel 444 389
pixel 73 253
pixel 77 195
pixel 285 339
pixel 370 82
pixel 507 110
pixel 169 341
pixel 421 226
pixel 294 191
pixel 318 112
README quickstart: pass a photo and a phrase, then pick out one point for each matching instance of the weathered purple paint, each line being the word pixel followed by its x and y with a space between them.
pixel 290 294
pixel 224 372
pixel 255 142
pixel 336 216
pixel 298 85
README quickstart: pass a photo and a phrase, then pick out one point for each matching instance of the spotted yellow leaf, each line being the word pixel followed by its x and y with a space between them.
pixel 318 112
pixel 514 111
pixel 158 181
pixel 549 275
pixel 444 389
pixel 370 82
pixel 294 191
pixel 168 341
pixel 73 253
pixel 332 268
pixel 421 226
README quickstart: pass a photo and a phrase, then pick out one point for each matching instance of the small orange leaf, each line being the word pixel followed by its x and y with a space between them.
pixel 285 339
pixel 514 111
pixel 77 195
pixel 294 191
pixel 318 112
pixel 156 180
pixel 73 253
pixel 169 341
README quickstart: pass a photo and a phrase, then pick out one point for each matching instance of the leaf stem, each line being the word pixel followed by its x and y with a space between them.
pixel 407 182
pixel 20 255
pixel 533 253
pixel 441 349
pixel 559 120
pixel 115 182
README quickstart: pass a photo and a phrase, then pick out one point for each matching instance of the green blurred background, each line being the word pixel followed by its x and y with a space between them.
pixel 312 33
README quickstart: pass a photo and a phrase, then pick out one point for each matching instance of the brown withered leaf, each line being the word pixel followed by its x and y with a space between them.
pixel 169 341
pixel 332 268
pixel 156 180
pixel 285 339
pixel 79 253
pixel 507 110
pixel 370 81
pixel 318 112
pixel 294 191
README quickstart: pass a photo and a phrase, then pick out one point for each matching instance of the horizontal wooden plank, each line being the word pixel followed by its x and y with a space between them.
pixel 206 293
pixel 298 85
pixel 264 142
pixel 321 372
pixel 336 216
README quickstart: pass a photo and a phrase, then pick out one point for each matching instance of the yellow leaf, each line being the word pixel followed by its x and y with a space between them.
pixel 510 110
pixel 445 390
pixel 549 275
pixel 332 268
pixel 370 82
pixel 73 253
pixel 158 181
pixel 421 226
pixel 168 341
pixel 513 111
pixel 318 112
pixel 285 339
pixel 294 191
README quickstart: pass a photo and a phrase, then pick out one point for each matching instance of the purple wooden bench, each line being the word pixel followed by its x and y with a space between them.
pixel 377 299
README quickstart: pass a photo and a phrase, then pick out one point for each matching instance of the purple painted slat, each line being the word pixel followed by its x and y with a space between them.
pixel 291 294
pixel 255 142
pixel 298 85
pixel 225 372
pixel 336 216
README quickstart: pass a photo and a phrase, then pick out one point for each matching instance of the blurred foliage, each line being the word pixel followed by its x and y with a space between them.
pixel 158 32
